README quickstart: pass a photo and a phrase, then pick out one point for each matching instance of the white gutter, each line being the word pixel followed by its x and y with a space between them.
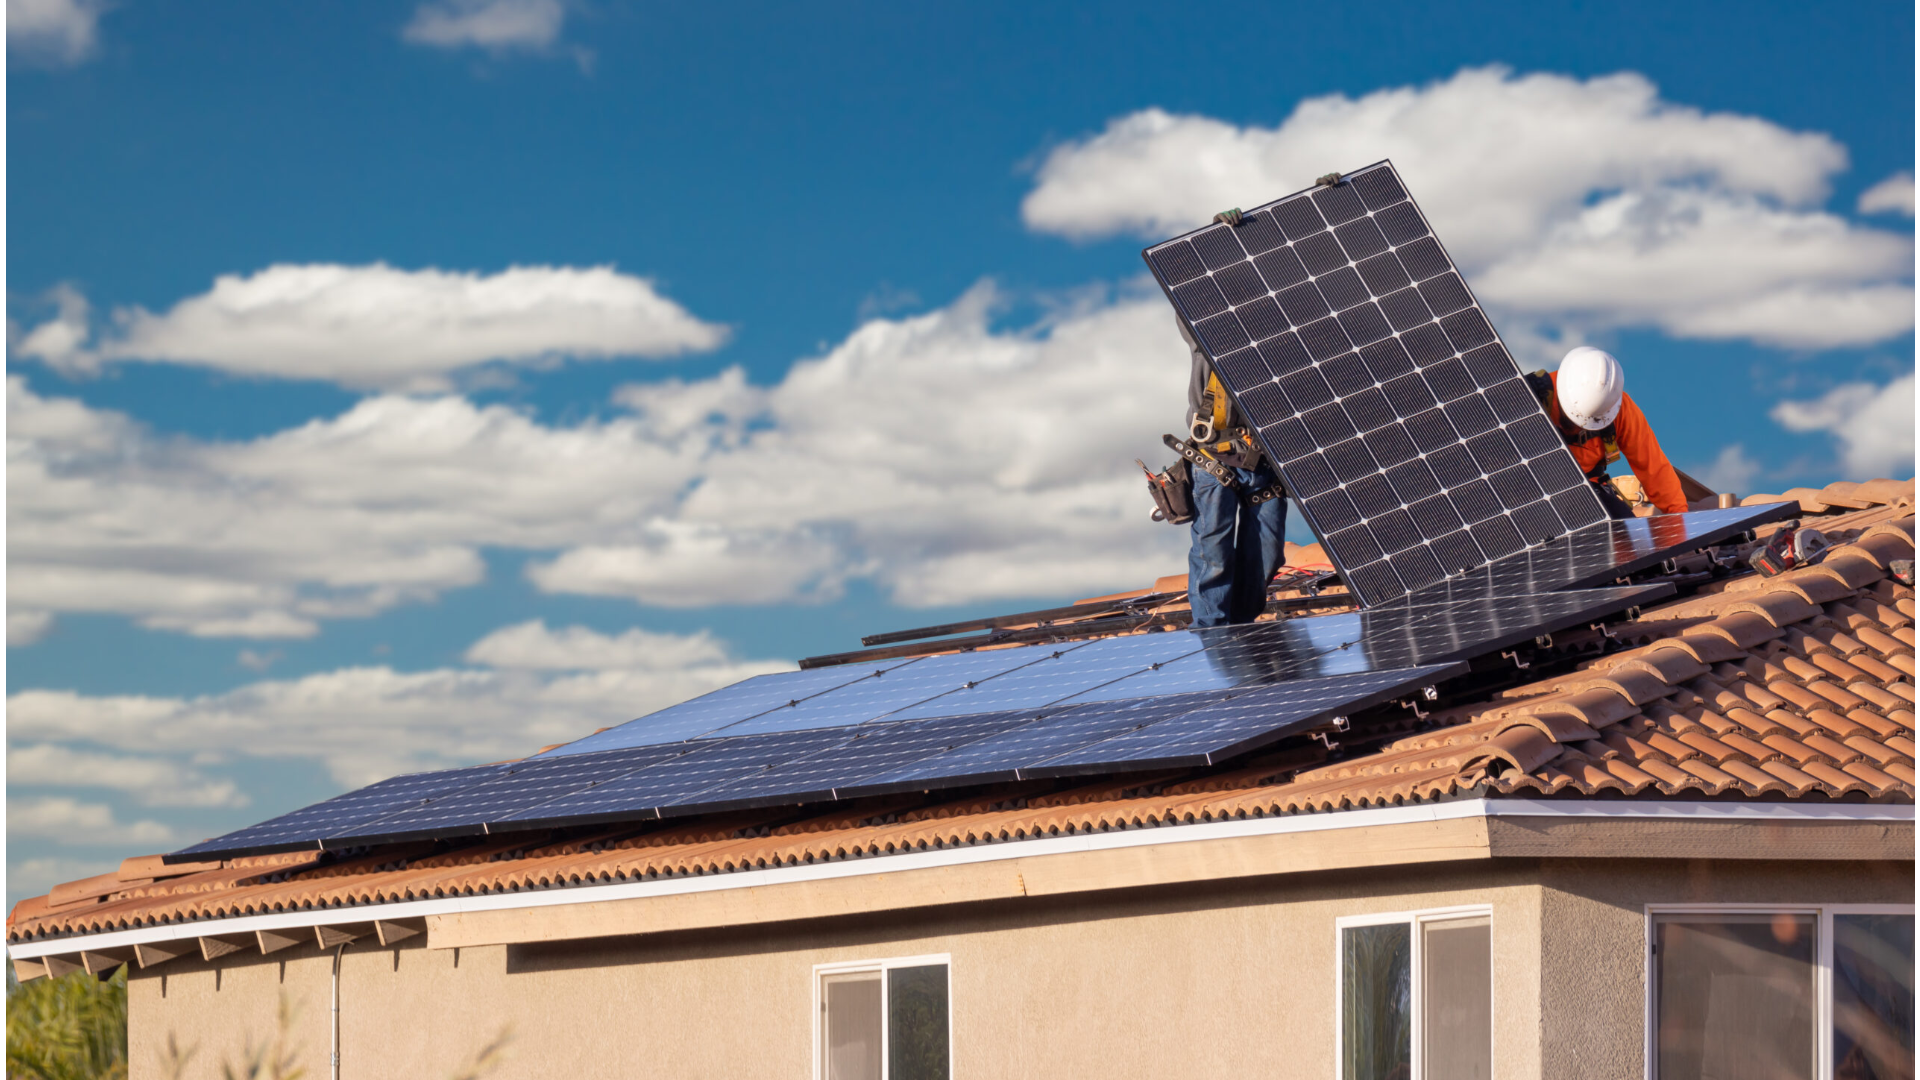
pixel 1619 810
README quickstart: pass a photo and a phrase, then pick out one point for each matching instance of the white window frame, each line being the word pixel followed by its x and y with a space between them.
pixel 1415 971
pixel 856 967
pixel 1822 960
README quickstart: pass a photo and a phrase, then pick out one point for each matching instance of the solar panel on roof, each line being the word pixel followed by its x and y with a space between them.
pixel 513 788
pixel 1058 676
pixel 1003 756
pixel 729 705
pixel 1395 416
pixel 1243 722
pixel 893 695
pixel 305 827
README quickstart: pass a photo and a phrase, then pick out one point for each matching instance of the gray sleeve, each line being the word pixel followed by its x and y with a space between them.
pixel 1197 382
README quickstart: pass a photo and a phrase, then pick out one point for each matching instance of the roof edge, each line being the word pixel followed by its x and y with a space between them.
pixel 1459 810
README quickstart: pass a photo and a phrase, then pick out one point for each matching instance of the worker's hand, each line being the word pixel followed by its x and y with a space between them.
pixel 1227 217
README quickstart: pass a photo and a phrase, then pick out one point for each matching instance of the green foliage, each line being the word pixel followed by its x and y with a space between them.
pixel 70 1028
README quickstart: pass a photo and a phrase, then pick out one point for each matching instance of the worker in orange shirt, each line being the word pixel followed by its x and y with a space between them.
pixel 1587 400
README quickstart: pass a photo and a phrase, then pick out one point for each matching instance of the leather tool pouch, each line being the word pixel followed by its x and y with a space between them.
pixel 1172 492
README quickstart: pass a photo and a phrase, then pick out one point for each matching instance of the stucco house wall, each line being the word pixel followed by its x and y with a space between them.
pixel 1202 980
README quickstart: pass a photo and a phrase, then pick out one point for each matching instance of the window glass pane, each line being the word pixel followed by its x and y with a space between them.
pixel 1736 996
pixel 1456 975
pixel 1376 1003
pixel 1872 997
pixel 852 1042
pixel 917 1023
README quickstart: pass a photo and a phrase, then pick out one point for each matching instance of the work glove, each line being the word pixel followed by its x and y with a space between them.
pixel 1227 217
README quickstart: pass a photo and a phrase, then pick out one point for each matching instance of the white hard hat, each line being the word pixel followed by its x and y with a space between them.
pixel 1590 387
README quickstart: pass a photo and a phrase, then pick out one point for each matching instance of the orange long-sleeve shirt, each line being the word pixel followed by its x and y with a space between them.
pixel 1637 444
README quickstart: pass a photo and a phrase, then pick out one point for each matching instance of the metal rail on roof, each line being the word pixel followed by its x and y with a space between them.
pixel 1121 616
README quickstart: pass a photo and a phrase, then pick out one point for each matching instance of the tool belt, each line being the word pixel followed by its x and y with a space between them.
pixel 1220 459
pixel 1172 491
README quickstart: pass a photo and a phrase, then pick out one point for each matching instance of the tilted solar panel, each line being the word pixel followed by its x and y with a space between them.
pixel 1396 417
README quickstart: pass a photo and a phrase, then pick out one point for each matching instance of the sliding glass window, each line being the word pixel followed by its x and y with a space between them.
pixel 1416 996
pixel 884 1020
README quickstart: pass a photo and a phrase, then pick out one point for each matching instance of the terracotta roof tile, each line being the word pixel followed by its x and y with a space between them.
pixel 1797 686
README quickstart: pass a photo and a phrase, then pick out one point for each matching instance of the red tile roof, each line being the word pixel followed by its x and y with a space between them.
pixel 1799 686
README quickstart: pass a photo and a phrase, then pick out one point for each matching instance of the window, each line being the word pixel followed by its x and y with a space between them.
pixel 884 1020
pixel 1416 996
pixel 1789 993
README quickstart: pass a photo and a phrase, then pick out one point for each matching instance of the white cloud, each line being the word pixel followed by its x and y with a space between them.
pixel 1731 471
pixel 53 31
pixel 381 327
pixel 494 25
pixel 1873 425
pixel 942 459
pixel 27 627
pixel 152 781
pixel 80 824
pixel 1892 195
pixel 367 723
pixel 531 646
pixel 34 877
pixel 1572 206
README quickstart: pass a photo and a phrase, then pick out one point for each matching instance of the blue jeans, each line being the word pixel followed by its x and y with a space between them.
pixel 1236 547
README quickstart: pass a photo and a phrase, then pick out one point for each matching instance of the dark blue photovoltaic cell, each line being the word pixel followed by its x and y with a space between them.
pixel 707 764
pixel 305 827
pixel 1406 359
pixel 886 695
pixel 516 787
pixel 725 706
pixel 1002 756
pixel 1059 677
pixel 1243 722
pixel 871 750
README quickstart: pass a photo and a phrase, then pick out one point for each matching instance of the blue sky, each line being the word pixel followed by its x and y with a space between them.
pixel 826 321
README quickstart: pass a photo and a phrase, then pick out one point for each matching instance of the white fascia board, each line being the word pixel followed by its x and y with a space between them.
pixel 1620 809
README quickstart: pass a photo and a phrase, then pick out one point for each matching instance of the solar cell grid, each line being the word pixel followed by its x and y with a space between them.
pixel 1374 343
pixel 305 827
pixel 1243 722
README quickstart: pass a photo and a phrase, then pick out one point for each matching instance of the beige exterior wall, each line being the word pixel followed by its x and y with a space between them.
pixel 1204 980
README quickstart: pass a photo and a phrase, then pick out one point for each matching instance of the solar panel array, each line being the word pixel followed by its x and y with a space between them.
pixel 1142 701
pixel 789 767
pixel 1396 417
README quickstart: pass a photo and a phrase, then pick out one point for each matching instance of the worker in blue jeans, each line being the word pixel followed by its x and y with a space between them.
pixel 1239 531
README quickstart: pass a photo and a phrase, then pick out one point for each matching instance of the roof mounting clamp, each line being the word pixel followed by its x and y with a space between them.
pixel 1544 641
pixel 1514 655
pixel 1341 723
pixel 1431 693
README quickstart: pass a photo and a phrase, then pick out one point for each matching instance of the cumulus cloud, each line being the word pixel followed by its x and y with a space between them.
pixel 1893 195
pixel 150 781
pixel 381 327
pixel 27 627
pixel 495 26
pixel 367 723
pixel 81 824
pixel 1872 424
pixel 531 646
pixel 57 32
pixel 1732 470
pixel 1573 206
pixel 939 457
